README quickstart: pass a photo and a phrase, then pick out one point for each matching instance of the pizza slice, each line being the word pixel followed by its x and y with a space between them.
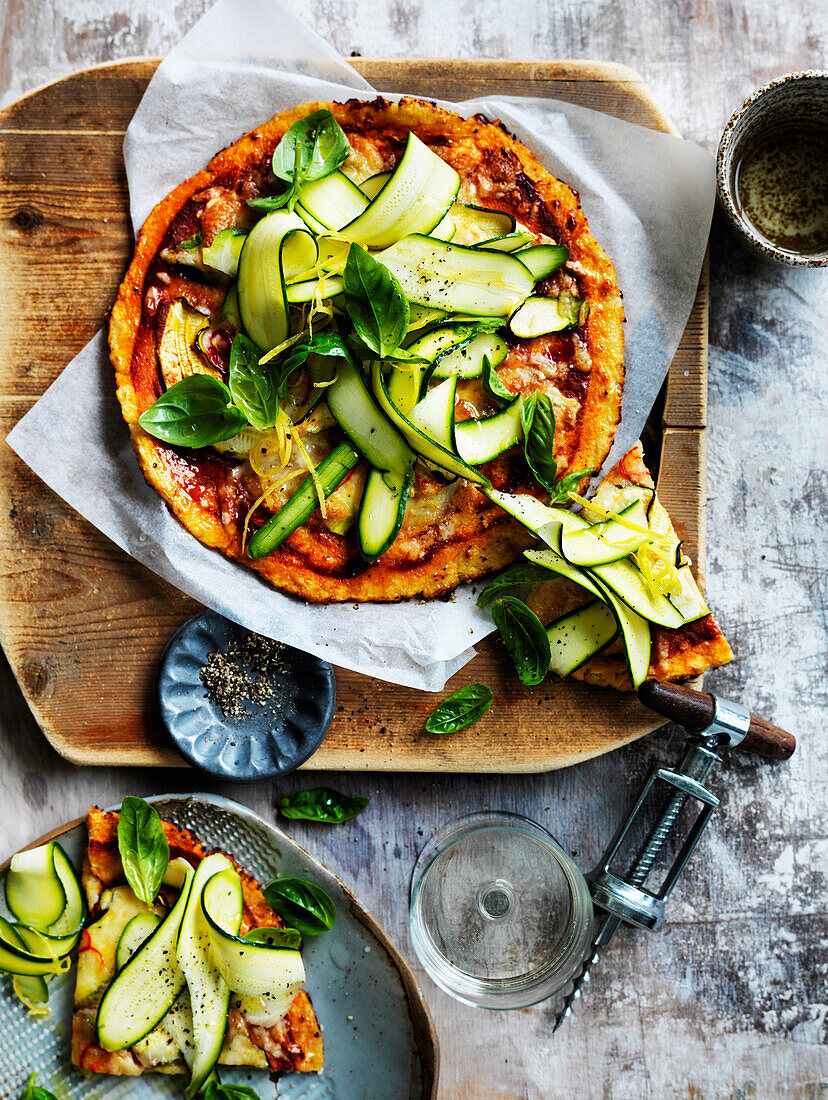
pixel 602 615
pixel 289 1041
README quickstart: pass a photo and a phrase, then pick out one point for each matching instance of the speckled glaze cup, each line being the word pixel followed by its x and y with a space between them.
pixel 794 100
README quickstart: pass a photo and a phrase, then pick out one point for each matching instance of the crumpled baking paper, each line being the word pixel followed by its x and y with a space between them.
pixel 649 201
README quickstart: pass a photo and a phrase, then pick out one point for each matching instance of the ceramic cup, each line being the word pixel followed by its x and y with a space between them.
pixel 793 101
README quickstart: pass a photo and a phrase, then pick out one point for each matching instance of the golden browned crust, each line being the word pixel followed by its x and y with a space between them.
pixel 295 1043
pixel 316 563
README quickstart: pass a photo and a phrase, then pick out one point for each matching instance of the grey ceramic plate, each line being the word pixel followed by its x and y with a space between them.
pixel 379 1037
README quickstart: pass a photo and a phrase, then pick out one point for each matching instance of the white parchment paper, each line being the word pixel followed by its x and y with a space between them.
pixel 649 201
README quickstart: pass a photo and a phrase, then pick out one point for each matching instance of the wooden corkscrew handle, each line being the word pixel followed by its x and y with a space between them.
pixel 695 710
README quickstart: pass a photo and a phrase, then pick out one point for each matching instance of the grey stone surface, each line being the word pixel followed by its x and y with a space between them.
pixel 730 1001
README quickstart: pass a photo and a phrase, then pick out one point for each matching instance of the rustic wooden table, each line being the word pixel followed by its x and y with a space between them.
pixel 730 1000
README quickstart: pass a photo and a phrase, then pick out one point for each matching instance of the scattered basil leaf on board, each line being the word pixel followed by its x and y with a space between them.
pixel 494 387
pixel 195 412
pixel 216 1090
pixel 568 484
pixel 375 302
pixel 35 1092
pixel 465 706
pixel 143 846
pixel 514 581
pixel 537 416
pixel 255 388
pixel 288 938
pixel 524 636
pixel 321 804
pixel 312 148
pixel 304 905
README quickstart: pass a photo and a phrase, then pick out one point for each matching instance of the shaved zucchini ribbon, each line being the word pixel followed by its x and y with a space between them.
pixel 44 895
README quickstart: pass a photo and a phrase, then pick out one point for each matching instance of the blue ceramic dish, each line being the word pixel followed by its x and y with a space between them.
pixel 271 739
pixel 379 1037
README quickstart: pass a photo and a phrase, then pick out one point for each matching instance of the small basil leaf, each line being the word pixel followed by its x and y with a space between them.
pixel 321 804
pixel 325 343
pixel 216 1090
pixel 195 412
pixel 189 244
pixel 143 847
pixel 375 302
pixel 524 636
pixel 312 148
pixel 462 708
pixel 537 417
pixel 568 484
pixel 514 581
pixel 494 387
pixel 271 202
pixel 36 1092
pixel 304 905
pixel 288 938
pixel 255 388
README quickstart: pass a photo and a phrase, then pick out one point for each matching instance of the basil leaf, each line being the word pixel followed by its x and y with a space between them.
pixel 568 484
pixel 462 708
pixel 514 581
pixel 189 244
pixel 524 636
pixel 255 388
pixel 321 804
pixel 304 905
pixel 537 416
pixel 218 1091
pixel 313 147
pixel 360 350
pixel 143 846
pixel 271 202
pixel 325 343
pixel 36 1092
pixel 287 938
pixel 375 302
pixel 195 412
pixel 494 387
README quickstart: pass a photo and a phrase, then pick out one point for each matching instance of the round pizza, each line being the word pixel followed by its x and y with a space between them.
pixel 340 343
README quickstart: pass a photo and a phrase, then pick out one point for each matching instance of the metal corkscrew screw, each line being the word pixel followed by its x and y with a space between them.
pixel 714 724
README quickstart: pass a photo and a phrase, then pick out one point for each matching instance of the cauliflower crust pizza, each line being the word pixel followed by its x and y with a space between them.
pixel 509 305
pixel 288 1044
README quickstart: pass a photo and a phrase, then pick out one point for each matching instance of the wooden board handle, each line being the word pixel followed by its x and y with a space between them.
pixel 694 710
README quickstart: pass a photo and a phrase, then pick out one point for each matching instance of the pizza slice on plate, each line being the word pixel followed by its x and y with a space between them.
pixel 276 1031
pixel 613 586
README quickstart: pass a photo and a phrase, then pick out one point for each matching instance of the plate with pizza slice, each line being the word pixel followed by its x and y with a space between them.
pixel 139 989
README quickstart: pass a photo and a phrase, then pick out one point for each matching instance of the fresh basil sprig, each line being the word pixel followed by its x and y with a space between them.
pixel 288 938
pixel 143 846
pixel 36 1092
pixel 494 387
pixel 195 412
pixel 524 636
pixel 375 302
pixel 463 707
pixel 322 804
pixel 514 581
pixel 216 1090
pixel 257 388
pixel 568 484
pixel 537 417
pixel 311 149
pixel 304 905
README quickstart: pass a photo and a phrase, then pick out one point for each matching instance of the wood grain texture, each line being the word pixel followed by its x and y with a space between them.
pixel 729 1002
pixel 70 238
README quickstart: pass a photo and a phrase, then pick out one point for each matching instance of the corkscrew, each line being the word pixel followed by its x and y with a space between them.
pixel 713 724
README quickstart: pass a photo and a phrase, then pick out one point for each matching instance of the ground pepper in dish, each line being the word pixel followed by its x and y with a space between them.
pixel 244 672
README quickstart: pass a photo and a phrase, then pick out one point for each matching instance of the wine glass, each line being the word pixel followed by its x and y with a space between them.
pixel 500 915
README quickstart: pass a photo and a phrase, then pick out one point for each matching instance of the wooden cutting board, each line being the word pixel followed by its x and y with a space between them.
pixel 83 624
